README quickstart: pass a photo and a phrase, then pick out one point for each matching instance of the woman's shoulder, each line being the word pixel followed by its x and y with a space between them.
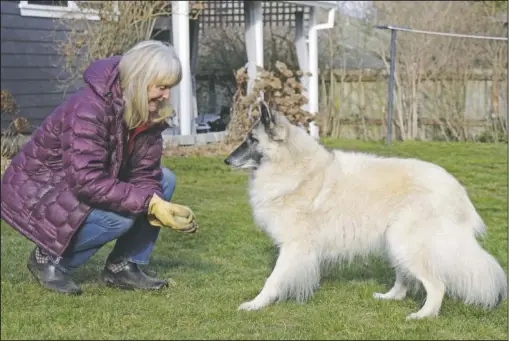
pixel 86 103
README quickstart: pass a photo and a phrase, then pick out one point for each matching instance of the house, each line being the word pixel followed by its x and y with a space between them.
pixel 31 66
pixel 29 61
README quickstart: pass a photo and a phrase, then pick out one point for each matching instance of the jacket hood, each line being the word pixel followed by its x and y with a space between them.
pixel 103 75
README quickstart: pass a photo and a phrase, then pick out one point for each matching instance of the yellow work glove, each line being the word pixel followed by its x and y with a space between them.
pixel 166 214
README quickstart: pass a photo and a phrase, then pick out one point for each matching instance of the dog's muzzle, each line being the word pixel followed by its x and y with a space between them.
pixel 244 156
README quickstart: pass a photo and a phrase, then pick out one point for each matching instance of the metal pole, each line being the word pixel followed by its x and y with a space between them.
pixel 391 88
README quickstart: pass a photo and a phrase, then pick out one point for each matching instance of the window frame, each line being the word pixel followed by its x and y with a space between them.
pixel 71 11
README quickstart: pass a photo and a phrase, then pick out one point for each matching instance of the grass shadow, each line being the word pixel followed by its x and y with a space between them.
pixel 163 264
pixel 371 269
pixel 91 271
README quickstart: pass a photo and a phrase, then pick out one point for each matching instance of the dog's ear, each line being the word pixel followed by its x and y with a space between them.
pixel 271 123
pixel 266 116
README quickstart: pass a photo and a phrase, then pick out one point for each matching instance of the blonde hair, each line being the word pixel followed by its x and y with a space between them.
pixel 148 63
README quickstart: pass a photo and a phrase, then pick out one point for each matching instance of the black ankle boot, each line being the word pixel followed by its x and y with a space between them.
pixel 49 276
pixel 129 276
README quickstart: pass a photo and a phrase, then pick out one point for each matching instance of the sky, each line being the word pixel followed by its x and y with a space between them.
pixel 354 8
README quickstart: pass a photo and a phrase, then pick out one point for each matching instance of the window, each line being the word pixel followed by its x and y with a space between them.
pixel 162 35
pixel 58 9
pixel 49 3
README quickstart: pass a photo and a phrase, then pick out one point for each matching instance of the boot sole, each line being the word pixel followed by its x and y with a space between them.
pixel 45 286
pixel 113 284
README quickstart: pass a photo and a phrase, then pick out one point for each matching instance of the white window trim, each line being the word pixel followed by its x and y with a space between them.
pixel 70 12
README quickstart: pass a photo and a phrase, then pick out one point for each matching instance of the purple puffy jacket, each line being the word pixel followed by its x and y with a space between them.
pixel 78 160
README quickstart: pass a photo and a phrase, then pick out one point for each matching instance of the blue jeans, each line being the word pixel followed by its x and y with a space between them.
pixel 136 238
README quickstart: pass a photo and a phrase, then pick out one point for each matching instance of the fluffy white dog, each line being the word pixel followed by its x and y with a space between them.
pixel 320 206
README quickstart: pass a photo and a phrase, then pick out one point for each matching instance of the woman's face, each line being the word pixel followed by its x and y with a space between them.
pixel 157 94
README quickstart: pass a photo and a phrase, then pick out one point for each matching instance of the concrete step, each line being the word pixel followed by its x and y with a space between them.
pixel 191 140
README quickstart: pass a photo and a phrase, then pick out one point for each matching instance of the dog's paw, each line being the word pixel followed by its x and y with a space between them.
pixel 251 305
pixel 388 296
pixel 414 316
pixel 379 296
pixel 418 315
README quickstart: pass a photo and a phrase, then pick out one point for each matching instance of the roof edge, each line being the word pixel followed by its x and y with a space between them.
pixel 321 4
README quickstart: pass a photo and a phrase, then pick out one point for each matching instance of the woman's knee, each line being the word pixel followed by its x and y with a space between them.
pixel 169 181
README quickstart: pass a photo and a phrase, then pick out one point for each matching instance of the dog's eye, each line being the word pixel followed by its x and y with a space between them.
pixel 252 139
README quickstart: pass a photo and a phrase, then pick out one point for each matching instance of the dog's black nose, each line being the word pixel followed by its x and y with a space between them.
pixel 227 161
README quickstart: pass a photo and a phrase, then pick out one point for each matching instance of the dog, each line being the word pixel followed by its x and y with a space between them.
pixel 324 206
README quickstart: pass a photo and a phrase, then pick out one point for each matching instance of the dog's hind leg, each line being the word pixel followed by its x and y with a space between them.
pixel 296 273
pixel 410 256
pixel 398 291
pixel 435 291
pixel 435 288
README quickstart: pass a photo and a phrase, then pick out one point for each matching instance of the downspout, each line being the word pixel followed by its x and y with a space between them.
pixel 313 64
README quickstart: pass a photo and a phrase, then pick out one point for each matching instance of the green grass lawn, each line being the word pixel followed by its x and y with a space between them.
pixel 227 261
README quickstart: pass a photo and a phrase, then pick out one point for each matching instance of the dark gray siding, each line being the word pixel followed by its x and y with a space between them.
pixel 30 65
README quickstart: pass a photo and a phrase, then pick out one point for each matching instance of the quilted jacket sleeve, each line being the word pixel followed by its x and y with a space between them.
pixel 84 140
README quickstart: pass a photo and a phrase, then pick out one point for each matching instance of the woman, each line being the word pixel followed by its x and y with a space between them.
pixel 91 173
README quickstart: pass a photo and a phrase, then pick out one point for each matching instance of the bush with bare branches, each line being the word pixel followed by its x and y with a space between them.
pixel 121 24
pixel 448 88
pixel 223 50
pixel 13 136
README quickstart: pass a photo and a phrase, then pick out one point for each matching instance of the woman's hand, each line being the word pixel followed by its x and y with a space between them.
pixel 166 214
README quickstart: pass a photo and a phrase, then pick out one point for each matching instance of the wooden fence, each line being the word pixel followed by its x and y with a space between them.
pixel 356 106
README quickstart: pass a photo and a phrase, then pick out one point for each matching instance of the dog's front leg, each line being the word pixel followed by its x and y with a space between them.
pixel 296 273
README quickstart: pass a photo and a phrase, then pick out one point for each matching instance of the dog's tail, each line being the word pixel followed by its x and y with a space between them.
pixel 468 271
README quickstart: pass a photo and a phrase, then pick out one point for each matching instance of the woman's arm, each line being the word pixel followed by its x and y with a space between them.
pixel 145 164
pixel 85 157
